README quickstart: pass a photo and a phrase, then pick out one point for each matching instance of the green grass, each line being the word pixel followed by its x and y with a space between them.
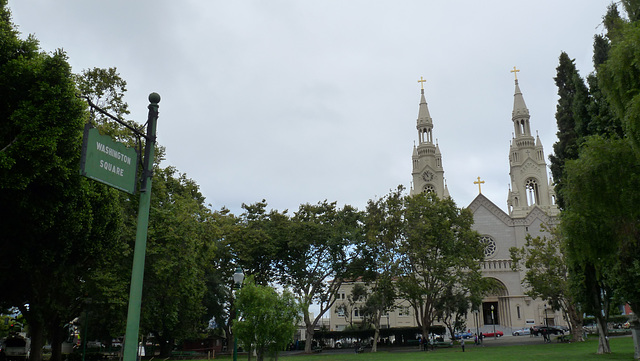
pixel 622 348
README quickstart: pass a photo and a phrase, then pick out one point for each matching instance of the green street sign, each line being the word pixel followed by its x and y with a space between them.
pixel 107 161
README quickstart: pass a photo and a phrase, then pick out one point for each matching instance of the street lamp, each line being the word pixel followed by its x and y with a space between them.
pixel 546 320
pixel 494 324
pixel 238 277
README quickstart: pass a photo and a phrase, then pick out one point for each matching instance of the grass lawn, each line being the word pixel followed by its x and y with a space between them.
pixel 622 348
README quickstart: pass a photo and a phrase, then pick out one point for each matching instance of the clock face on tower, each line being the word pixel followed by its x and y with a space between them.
pixel 427 176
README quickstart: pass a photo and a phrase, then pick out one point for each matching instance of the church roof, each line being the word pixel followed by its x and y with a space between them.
pixel 534 213
pixel 423 112
pixel 519 107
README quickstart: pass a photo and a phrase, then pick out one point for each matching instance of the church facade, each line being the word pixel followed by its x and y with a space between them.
pixel 531 208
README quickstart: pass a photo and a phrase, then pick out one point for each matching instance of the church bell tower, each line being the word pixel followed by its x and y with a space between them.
pixel 427 171
pixel 530 185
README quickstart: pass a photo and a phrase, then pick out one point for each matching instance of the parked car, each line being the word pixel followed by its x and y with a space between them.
pixel 524 331
pixel 538 330
pixel 17 348
pixel 562 329
pixel 460 335
pixel 491 334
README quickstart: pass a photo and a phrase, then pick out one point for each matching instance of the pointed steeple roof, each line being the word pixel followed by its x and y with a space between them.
pixel 423 113
pixel 519 107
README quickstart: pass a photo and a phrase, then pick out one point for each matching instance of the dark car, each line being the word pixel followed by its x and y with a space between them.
pixel 539 330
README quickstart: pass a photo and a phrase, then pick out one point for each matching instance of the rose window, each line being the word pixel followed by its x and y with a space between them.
pixel 489 246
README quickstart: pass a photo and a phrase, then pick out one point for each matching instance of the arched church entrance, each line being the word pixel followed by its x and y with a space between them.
pixel 495 306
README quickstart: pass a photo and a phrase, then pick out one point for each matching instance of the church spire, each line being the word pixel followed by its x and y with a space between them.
pixel 520 113
pixel 529 184
pixel 428 173
pixel 424 123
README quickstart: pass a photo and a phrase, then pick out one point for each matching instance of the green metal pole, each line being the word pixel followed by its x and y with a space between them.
pixel 137 273
pixel 235 348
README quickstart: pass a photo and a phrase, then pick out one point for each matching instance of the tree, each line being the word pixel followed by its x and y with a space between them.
pixel 618 78
pixel 256 240
pixel 318 257
pixel 601 220
pixel 452 308
pixel 106 89
pixel 266 320
pixel 178 251
pixel 547 276
pixel 57 225
pixel 383 225
pixel 439 251
pixel 571 104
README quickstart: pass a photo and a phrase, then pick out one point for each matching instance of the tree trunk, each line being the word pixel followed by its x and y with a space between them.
pixel 56 343
pixel 376 333
pixel 635 334
pixel 166 346
pixel 576 323
pixel 309 331
pixel 36 329
pixel 603 340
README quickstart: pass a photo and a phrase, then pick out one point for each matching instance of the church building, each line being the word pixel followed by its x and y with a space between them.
pixel 530 204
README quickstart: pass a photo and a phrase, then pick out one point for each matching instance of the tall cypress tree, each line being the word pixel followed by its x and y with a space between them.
pixel 568 83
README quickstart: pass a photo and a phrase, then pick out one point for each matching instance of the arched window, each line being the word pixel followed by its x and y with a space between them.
pixel 533 196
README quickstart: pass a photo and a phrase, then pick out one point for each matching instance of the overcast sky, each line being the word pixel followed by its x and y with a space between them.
pixel 300 101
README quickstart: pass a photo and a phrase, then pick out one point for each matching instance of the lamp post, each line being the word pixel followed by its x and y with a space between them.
pixel 494 324
pixel 546 320
pixel 238 277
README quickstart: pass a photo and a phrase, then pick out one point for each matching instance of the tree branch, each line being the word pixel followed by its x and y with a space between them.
pixel 8 145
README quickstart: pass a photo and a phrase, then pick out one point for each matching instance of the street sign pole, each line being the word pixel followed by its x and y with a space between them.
pixel 137 273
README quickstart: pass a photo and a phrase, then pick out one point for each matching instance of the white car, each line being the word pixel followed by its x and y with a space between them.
pixel 524 331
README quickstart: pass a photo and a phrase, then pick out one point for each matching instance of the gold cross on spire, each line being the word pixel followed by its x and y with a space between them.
pixel 479 183
pixel 422 81
pixel 515 72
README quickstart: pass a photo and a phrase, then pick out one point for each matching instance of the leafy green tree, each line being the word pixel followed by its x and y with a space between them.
pixel 218 274
pixel 547 277
pixel 601 219
pixel 57 225
pixel 106 89
pixel 257 239
pixel 266 320
pixel 318 257
pixel 383 225
pixel 571 91
pixel 439 251
pixel 177 255
pixel 618 78
pixel 452 308
pixel 107 287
